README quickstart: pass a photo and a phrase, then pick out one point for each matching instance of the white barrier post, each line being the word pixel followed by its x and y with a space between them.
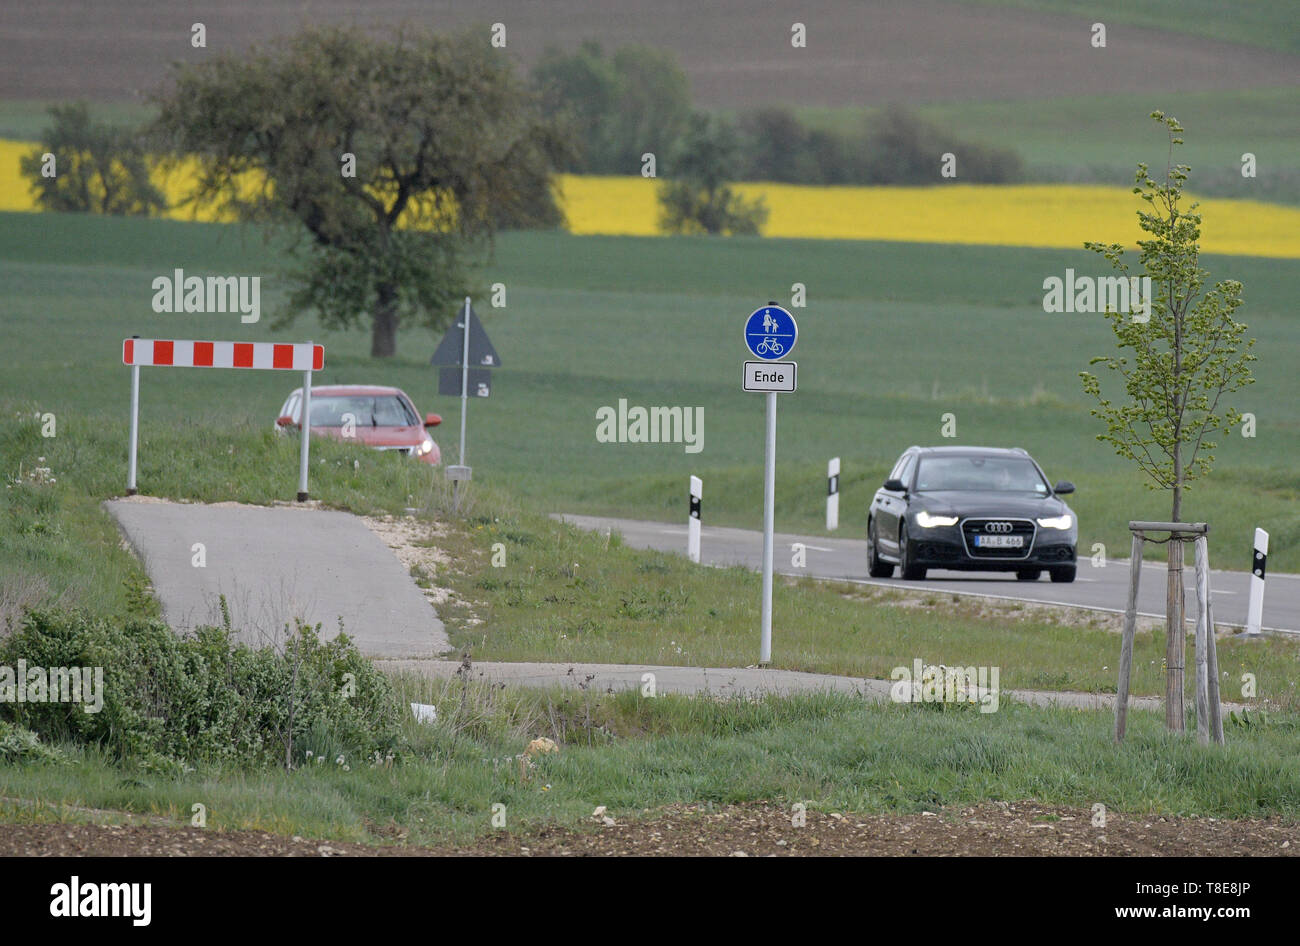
pixel 693 521
pixel 833 495
pixel 1255 612
pixel 306 435
pixel 135 428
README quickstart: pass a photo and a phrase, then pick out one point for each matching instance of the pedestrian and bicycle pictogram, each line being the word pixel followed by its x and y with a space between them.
pixel 771 332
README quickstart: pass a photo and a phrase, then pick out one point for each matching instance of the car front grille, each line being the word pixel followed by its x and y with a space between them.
pixel 1024 528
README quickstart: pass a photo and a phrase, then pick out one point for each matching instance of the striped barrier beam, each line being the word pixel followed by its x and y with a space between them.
pixel 178 353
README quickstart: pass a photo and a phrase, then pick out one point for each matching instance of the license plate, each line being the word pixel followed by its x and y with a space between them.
pixel 1000 541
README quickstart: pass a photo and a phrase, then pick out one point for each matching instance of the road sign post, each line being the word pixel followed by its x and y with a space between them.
pixel 769 516
pixel 465 343
pixel 770 334
pixel 464 407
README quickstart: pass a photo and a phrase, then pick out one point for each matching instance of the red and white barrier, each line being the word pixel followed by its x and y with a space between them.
pixel 179 353
pixel 183 353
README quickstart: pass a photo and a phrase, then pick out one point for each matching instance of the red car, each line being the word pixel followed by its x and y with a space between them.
pixel 379 417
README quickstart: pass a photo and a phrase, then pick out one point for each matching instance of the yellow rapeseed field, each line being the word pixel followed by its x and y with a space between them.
pixel 1034 215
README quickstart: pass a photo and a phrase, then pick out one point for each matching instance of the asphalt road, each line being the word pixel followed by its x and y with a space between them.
pixel 1102 589
pixel 276 564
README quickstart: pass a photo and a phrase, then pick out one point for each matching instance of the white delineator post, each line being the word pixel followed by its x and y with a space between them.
pixel 693 521
pixel 833 494
pixel 303 448
pixel 769 516
pixel 1255 611
pixel 135 428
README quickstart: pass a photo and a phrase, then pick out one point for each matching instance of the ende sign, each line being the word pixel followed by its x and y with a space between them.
pixel 770 376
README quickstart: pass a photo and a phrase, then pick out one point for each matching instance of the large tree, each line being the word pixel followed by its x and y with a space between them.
pixel 1175 367
pixel 445 143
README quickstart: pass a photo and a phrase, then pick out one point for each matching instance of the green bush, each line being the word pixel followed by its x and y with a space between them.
pixel 205 697
pixel 99 168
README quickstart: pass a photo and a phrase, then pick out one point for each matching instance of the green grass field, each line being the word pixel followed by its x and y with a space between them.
pixel 885 338
pixel 894 337
pixel 1266 23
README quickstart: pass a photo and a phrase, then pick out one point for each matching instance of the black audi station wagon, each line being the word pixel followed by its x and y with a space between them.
pixel 971 509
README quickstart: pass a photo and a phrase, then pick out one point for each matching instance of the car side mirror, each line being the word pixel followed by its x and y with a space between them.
pixel 284 420
pixel 1063 487
pixel 432 420
pixel 895 486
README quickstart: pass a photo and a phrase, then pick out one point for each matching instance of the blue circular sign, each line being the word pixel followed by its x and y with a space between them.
pixel 770 333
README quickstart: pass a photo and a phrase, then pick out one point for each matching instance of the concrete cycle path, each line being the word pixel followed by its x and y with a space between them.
pixel 275 564
pixel 722 681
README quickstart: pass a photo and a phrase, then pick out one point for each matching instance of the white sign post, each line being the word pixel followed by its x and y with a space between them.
pixel 770 334
pixel 460 471
pixel 769 516
pixel 183 353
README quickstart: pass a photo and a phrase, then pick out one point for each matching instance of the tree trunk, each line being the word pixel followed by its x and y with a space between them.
pixel 383 333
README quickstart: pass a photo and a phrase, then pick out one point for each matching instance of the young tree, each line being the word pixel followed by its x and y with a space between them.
pixel 394 162
pixel 1175 369
pixel 698 198
pixel 98 168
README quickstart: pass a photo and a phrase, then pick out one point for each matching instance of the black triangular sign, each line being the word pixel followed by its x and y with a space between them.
pixel 481 352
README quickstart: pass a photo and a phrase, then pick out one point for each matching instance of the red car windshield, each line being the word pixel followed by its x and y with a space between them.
pixel 367 410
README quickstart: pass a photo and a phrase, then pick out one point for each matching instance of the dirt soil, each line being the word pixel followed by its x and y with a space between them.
pixel 760 830
pixel 736 53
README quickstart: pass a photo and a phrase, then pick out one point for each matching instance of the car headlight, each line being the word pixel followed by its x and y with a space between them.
pixel 928 520
pixel 424 448
pixel 1057 522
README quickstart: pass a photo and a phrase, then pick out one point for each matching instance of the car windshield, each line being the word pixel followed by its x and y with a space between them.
pixel 366 410
pixel 1006 474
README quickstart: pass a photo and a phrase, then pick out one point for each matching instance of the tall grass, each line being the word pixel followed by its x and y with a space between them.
pixel 832 752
